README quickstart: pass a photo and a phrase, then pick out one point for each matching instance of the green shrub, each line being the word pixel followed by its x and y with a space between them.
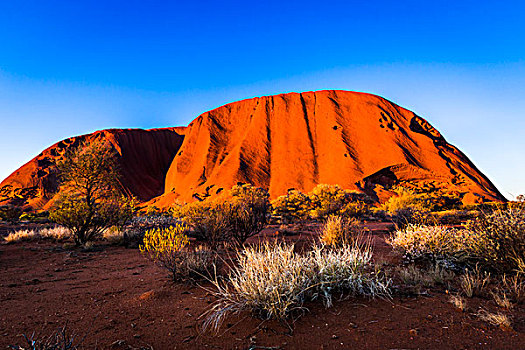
pixel 333 200
pixel 404 199
pixel 454 216
pixel 327 200
pixel 233 217
pixel 87 221
pixel 10 213
pixel 293 206
pixel 495 239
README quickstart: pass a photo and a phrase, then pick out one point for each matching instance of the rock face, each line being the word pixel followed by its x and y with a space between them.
pixel 144 157
pixel 295 140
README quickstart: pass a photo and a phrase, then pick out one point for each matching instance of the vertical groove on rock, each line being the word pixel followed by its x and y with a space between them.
pixel 310 139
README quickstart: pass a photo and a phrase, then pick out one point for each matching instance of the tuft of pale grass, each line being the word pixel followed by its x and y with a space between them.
pixel 272 281
pixel 459 302
pixel 496 319
pixel 57 233
pixel 338 231
pixel 515 287
pixel 474 283
pixel 21 236
pixel 502 300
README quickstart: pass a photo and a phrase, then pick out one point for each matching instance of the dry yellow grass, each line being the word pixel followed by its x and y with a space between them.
pixel 474 283
pixel 459 302
pixel 496 319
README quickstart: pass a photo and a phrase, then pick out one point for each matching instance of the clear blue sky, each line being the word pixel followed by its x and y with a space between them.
pixel 72 67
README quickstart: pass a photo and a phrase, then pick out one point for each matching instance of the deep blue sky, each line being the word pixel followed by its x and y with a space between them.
pixel 72 67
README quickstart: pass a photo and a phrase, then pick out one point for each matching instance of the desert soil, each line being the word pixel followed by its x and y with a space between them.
pixel 114 298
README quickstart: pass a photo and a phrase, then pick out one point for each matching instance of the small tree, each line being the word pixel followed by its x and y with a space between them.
pixel 92 200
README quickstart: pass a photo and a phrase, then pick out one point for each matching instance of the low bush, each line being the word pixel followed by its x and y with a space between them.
pixel 356 209
pixel 339 231
pixel 293 206
pixel 503 234
pixel 38 217
pixel 10 213
pixel 164 246
pixel 88 221
pixel 272 280
pixel 428 277
pixel 496 240
pixel 454 217
pixel 333 200
pixel 169 248
pixel 230 218
pixel 436 243
pixel 402 200
pixel 209 221
pixel 248 212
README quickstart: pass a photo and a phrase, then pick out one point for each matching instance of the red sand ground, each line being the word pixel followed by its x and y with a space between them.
pixel 121 301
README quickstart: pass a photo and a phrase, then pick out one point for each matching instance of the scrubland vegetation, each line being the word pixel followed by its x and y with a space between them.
pixel 469 252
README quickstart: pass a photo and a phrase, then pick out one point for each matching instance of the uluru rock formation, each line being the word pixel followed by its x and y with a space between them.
pixel 295 140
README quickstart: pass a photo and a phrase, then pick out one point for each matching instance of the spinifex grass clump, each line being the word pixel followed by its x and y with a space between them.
pixel 272 280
